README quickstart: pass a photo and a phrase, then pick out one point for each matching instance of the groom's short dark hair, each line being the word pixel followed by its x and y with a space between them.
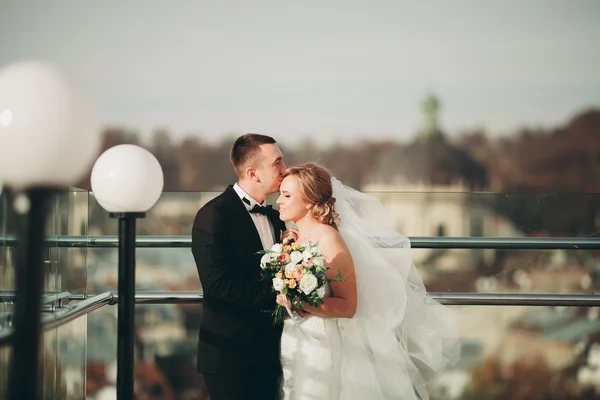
pixel 246 150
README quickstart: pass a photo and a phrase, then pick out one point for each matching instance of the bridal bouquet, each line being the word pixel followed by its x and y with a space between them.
pixel 297 271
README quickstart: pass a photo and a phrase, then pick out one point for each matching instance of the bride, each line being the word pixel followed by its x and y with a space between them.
pixel 377 335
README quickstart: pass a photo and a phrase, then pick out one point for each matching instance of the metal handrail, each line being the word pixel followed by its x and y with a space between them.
pixel 459 299
pixel 50 302
pixel 64 315
pixel 8 296
pixel 514 299
pixel 89 303
pixel 165 297
pixel 417 242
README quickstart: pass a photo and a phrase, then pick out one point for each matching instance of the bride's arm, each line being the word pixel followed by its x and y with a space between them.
pixel 343 302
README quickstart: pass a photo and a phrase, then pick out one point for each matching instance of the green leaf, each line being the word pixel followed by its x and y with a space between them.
pixel 315 301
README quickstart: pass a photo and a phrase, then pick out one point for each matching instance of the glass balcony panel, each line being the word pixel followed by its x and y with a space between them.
pixel 71 361
pixel 7 280
pixel 546 352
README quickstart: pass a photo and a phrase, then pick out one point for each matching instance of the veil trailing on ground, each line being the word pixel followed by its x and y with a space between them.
pixel 400 339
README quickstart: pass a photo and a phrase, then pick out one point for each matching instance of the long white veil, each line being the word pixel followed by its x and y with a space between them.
pixel 400 339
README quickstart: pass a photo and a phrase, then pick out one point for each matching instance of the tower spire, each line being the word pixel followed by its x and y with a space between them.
pixel 430 109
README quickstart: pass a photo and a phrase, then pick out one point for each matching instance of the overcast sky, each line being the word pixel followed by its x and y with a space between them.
pixel 328 69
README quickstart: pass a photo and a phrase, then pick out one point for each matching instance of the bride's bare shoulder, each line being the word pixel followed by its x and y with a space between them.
pixel 330 237
pixel 335 250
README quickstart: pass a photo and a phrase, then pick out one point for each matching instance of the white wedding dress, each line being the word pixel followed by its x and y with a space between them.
pixel 311 357
pixel 400 339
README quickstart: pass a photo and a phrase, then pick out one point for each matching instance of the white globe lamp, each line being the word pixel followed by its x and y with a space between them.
pixel 49 135
pixel 127 180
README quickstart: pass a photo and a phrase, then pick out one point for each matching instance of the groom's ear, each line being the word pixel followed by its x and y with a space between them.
pixel 251 174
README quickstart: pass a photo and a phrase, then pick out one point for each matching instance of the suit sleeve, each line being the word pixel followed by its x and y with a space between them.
pixel 217 275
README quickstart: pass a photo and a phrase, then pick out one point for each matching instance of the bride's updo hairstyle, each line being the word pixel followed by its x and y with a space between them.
pixel 314 185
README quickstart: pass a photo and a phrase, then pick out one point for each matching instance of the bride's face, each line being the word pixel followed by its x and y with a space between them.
pixel 292 206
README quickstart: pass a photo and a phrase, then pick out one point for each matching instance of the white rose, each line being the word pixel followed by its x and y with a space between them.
pixel 278 284
pixel 307 255
pixel 308 283
pixel 317 261
pixel 291 267
pixel 296 256
pixel 265 260
pixel 277 248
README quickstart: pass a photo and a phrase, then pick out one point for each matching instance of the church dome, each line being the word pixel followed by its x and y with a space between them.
pixel 430 159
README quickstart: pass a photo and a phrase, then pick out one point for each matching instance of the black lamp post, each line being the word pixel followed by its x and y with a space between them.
pixel 127 180
pixel 29 276
pixel 126 305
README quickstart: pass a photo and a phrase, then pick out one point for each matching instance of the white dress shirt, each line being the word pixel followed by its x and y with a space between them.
pixel 262 223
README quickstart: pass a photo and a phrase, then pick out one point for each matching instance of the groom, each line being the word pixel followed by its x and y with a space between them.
pixel 238 349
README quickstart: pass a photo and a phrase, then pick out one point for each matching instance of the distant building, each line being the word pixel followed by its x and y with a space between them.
pixel 430 161
pixel 427 186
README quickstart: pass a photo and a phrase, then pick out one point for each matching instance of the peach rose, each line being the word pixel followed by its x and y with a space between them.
pixel 284 257
pixel 298 274
pixel 307 264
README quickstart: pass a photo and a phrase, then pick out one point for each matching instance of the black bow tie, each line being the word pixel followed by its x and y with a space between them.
pixel 261 210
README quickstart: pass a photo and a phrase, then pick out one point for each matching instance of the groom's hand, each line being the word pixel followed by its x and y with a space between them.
pixel 291 233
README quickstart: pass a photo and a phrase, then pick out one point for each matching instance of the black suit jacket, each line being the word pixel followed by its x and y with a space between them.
pixel 236 329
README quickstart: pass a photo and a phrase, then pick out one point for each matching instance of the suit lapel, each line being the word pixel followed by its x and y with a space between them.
pixel 276 222
pixel 240 214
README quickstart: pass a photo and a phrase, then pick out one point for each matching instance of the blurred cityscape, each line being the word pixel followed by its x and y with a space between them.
pixel 543 182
